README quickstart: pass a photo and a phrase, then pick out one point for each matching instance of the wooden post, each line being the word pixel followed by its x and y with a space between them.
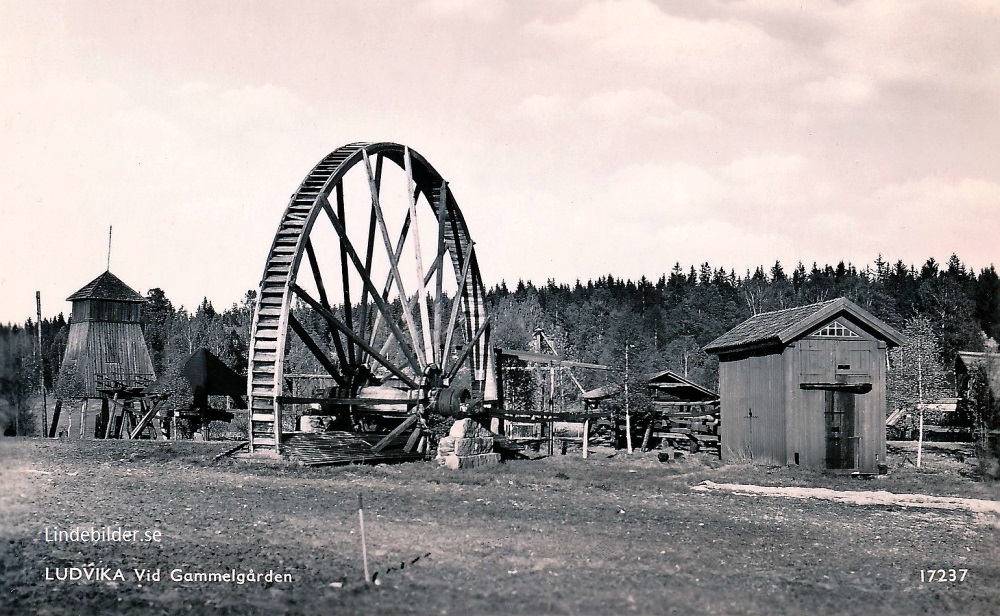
pixel 920 403
pixel 41 364
pixel 364 544
pixel 105 416
pixel 113 406
pixel 586 438
pixel 83 417
pixel 628 416
pixel 649 432
pixel 53 430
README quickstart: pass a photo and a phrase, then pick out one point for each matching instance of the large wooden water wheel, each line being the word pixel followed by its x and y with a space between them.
pixel 372 290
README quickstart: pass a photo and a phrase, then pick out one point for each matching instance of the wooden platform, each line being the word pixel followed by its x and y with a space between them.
pixel 323 448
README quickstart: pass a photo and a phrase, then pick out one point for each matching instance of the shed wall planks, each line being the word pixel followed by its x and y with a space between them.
pixel 752 418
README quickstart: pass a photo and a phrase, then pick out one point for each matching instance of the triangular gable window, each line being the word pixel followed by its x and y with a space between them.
pixel 835 329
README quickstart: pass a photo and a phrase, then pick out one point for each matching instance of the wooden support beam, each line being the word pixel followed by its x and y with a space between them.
pixel 411 443
pixel 154 408
pixel 53 429
pixel 554 360
pixel 344 401
pixel 112 413
pixel 409 421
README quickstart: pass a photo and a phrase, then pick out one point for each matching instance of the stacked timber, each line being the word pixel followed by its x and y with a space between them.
pixel 467 445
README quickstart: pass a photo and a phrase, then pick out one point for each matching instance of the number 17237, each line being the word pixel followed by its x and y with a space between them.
pixel 943 575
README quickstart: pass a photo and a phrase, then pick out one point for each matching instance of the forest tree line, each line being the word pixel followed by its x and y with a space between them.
pixel 665 323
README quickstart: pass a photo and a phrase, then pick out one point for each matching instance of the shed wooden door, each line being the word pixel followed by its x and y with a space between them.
pixel 841 441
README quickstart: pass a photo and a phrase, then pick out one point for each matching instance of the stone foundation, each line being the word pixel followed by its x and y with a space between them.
pixel 468 445
pixel 484 459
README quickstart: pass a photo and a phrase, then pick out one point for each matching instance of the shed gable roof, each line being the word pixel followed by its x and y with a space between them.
pixel 107 286
pixel 687 388
pixel 680 387
pixel 967 360
pixel 783 326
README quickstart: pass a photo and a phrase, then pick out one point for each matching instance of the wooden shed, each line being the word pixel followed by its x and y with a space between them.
pixel 806 386
pixel 106 355
pixel 966 361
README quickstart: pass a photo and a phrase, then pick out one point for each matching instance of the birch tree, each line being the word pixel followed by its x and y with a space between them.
pixel 916 376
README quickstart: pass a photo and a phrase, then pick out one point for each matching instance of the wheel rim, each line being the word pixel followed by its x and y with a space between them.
pixel 357 285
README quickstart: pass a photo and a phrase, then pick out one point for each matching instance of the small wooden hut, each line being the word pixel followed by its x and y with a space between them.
pixel 967 361
pixel 203 375
pixel 106 356
pixel 806 386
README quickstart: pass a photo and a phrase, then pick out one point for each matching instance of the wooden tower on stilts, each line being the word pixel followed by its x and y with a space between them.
pixel 106 359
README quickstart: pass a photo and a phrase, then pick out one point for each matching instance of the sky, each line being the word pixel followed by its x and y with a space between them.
pixel 580 138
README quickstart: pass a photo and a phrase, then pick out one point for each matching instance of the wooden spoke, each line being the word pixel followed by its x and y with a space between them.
pixel 442 211
pixel 453 319
pixel 324 300
pixel 344 273
pixel 382 305
pixel 393 261
pixel 389 279
pixel 369 252
pixel 462 257
pixel 468 349
pixel 425 323
pixel 311 344
pixel 338 324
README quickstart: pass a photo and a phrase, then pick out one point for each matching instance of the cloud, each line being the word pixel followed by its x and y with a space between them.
pixel 647 108
pixel 836 91
pixel 624 110
pixel 476 10
pixel 640 33
pixel 542 108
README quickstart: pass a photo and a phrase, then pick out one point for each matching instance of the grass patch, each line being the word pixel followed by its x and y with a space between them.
pixel 557 535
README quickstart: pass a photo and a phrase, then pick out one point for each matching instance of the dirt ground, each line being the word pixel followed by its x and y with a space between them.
pixel 560 535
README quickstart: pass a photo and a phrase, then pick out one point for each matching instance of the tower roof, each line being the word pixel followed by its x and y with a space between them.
pixel 107 286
